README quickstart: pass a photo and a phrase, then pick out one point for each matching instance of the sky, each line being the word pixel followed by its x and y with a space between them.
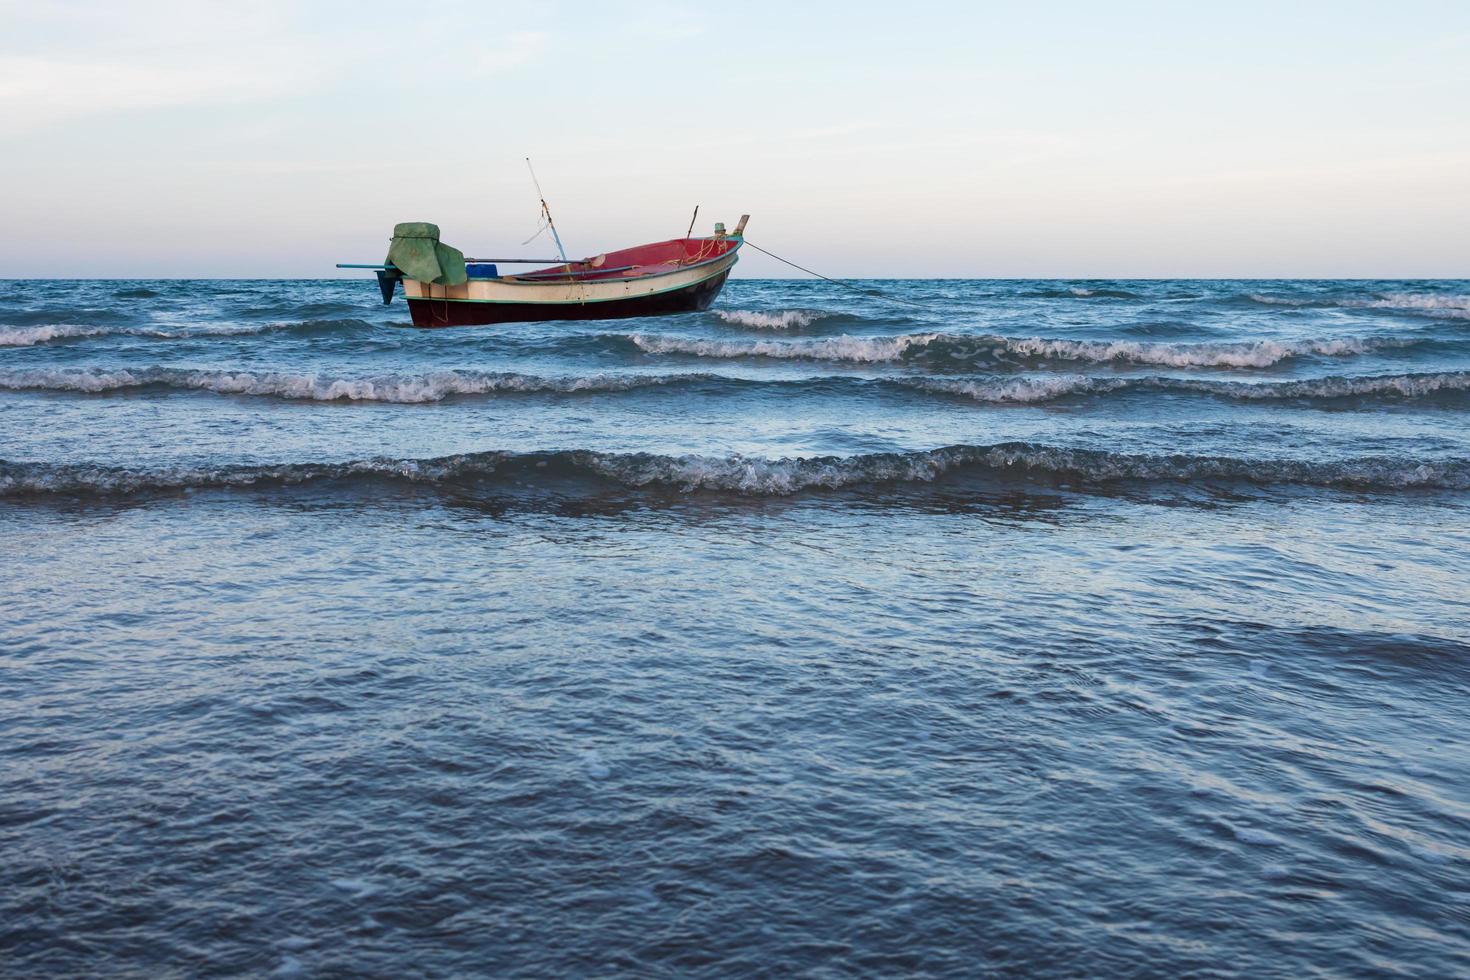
pixel 143 139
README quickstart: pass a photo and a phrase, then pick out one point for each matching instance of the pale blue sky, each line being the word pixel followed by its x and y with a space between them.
pixel 894 139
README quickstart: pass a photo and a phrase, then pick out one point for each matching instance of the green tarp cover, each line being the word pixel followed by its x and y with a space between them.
pixel 418 254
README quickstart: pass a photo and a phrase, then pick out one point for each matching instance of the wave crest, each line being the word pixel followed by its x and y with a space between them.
pixel 1050 388
pixel 439 385
pixel 844 348
pixel 26 336
pixel 979 349
pixel 755 476
pixel 779 320
pixel 402 389
pixel 1440 305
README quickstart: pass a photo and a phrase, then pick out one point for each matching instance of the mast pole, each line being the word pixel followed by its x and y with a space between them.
pixel 547 212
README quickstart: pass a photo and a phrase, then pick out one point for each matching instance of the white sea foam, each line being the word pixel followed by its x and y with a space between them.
pixel 1254 354
pixel 26 336
pixel 1024 390
pixel 779 320
pixel 844 348
pixel 1015 390
pixel 759 476
pixel 1432 304
pixel 405 389
pixel 436 386
pixel 1282 300
pixel 1404 385
pixel 979 348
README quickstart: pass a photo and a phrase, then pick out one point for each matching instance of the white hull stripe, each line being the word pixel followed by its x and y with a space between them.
pixel 568 293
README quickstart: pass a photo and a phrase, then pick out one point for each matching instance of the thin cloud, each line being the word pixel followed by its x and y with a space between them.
pixel 38 90
pixel 148 56
pixel 521 48
pixel 836 130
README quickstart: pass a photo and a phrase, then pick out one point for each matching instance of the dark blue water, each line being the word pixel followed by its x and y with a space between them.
pixel 1054 628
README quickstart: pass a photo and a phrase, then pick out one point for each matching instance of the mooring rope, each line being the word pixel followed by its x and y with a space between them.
pixel 838 282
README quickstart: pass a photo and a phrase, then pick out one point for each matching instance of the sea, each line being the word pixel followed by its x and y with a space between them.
pixel 935 628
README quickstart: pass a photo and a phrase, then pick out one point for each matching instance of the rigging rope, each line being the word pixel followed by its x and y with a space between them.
pixel 838 282
pixel 539 230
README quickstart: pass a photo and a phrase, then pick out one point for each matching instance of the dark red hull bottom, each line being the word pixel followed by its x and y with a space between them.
pixel 448 313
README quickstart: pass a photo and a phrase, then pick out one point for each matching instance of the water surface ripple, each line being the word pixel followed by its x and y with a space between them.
pixel 1030 627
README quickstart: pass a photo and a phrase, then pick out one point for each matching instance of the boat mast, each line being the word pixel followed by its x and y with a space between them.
pixel 546 211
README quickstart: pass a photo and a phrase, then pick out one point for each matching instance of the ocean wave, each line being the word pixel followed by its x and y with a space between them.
pixel 754 476
pixel 404 389
pixel 979 349
pixel 1295 301
pixel 1243 354
pixel 1440 305
pixel 24 336
pixel 436 386
pixel 1024 391
pixel 844 348
pixel 1053 387
pixel 1082 292
pixel 1432 304
pixel 779 320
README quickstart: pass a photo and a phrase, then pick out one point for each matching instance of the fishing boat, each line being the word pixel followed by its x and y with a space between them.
pixel 445 289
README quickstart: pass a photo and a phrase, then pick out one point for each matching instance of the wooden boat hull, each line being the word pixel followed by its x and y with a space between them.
pixel 430 312
pixel 668 286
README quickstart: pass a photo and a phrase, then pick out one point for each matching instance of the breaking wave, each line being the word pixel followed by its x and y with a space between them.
pixel 405 389
pixel 844 348
pixel 975 349
pixel 24 336
pixel 1439 305
pixel 1296 301
pixel 754 476
pixel 438 385
pixel 1082 292
pixel 1454 307
pixel 1043 389
pixel 779 320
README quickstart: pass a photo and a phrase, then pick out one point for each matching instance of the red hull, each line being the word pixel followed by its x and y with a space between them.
pixel 648 260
